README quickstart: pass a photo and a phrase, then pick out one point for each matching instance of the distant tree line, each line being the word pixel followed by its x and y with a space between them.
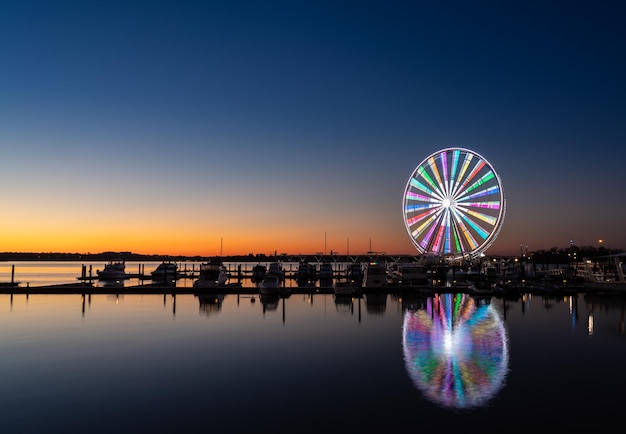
pixel 126 256
pixel 570 254
pixel 552 256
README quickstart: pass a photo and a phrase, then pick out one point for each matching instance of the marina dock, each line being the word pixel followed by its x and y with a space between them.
pixel 442 279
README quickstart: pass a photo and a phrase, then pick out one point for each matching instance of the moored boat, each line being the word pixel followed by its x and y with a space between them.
pixel 212 273
pixel 258 273
pixel 113 270
pixel 354 273
pixel 408 274
pixel 271 284
pixel 375 275
pixel 305 273
pixel 325 273
pixel 166 270
pixel 276 269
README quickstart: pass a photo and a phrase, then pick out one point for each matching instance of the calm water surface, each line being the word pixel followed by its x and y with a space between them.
pixel 308 363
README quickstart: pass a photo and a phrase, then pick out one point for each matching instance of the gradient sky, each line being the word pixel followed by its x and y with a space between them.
pixel 236 127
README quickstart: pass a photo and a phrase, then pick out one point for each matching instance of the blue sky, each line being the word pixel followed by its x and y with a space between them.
pixel 293 126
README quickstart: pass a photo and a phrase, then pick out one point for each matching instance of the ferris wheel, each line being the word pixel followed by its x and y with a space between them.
pixel 453 204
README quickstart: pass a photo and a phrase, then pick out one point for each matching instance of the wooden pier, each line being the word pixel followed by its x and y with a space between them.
pixel 241 273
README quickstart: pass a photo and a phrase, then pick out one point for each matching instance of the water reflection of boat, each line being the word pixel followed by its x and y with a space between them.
pixel 210 303
pixel 113 270
pixel 270 301
pixel 343 302
pixel 111 283
pixel 376 302
pixel 212 273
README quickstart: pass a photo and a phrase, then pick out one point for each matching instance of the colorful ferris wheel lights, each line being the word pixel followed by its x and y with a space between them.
pixel 453 204
pixel 456 350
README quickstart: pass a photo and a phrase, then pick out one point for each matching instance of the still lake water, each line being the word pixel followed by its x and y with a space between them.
pixel 308 363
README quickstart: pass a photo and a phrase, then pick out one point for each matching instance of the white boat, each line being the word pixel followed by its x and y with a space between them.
pixel 113 270
pixel 375 275
pixel 212 273
pixel 271 284
pixel 166 270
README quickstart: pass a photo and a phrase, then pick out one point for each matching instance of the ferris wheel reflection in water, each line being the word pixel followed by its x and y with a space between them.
pixel 456 350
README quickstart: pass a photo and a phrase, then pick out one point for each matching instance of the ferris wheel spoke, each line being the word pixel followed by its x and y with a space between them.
pixel 491 220
pixel 460 180
pixel 419 207
pixel 458 242
pixel 477 214
pixel 446 178
pixel 489 191
pixel 424 216
pixel 430 239
pixel 416 202
pixel 445 241
pixel 439 185
pixel 479 182
pixel 482 233
pixel 466 164
pixel 472 174
pixel 432 192
pixel 455 167
pixel 426 226
pixel 455 242
pixel 489 205
pixel 438 238
pixel 465 231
